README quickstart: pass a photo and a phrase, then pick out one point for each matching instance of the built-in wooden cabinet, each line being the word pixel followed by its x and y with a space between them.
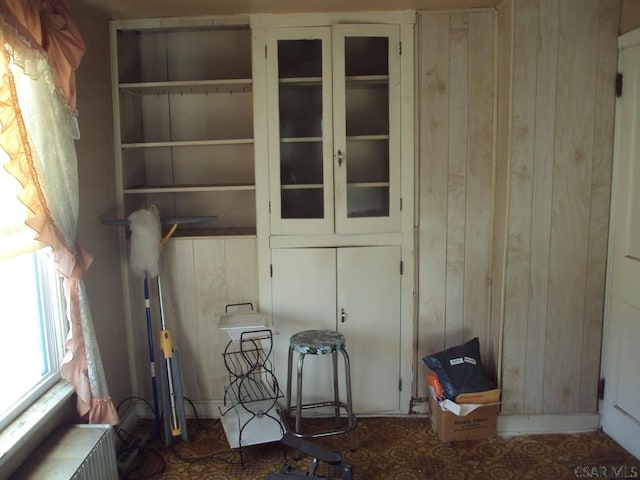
pixel 333 128
pixel 183 107
pixel 355 290
pixel 334 170
pixel 294 130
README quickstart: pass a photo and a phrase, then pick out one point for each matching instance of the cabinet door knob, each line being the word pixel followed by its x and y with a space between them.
pixel 340 159
pixel 343 316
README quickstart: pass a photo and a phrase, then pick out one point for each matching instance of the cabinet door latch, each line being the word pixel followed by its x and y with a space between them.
pixel 343 315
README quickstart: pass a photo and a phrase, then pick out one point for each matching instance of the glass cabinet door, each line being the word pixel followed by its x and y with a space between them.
pixel 300 131
pixel 333 125
pixel 366 100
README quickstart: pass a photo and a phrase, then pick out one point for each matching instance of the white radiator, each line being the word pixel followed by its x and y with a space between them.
pixel 78 452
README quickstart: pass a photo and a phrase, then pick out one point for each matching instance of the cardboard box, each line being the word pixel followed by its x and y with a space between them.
pixel 478 424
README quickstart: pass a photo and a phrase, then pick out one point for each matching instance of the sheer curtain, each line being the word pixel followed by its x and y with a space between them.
pixel 41 50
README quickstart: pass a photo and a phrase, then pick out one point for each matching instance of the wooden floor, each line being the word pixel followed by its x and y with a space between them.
pixel 398 448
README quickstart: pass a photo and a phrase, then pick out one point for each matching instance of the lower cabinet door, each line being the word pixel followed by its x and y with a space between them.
pixel 355 290
pixel 369 293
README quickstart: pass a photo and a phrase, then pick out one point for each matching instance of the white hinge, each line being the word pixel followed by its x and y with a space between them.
pixel 400 48
pixel 269 207
pixel 401 267
pixel 400 384
pixel 265 50
pixel 400 203
pixel 271 270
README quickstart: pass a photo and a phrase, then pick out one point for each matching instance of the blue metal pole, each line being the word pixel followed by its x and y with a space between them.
pixel 152 357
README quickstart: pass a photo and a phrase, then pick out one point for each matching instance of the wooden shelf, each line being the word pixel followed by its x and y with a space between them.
pixel 300 139
pixel 189 143
pixel 183 98
pixel 185 87
pixel 367 80
pixel 366 138
pixel 368 184
pixel 216 232
pixel 354 138
pixel 188 188
pixel 302 186
pixel 354 80
pixel 301 81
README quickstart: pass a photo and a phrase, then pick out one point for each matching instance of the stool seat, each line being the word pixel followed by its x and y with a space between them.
pixel 317 342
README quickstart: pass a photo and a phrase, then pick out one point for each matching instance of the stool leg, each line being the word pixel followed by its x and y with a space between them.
pixel 347 373
pixel 336 393
pixel 299 390
pixel 288 397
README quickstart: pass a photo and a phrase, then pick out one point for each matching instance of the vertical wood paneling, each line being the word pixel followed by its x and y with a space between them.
pixel 599 213
pixel 433 157
pixel 560 170
pixel 577 52
pixel 516 303
pixel 545 93
pixel 179 297
pixel 479 177
pixel 212 293
pixel 241 263
pixel 457 176
pixel 501 183
pixel 200 276
pixel 457 93
pixel 225 273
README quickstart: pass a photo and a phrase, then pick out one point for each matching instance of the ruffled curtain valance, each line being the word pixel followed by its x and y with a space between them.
pixel 42 49
pixel 46 25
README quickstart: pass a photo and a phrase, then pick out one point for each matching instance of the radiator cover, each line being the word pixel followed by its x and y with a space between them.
pixel 77 452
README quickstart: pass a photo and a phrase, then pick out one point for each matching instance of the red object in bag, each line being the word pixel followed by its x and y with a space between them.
pixel 435 387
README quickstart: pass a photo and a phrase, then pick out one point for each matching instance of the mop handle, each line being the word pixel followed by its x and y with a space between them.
pixel 166 346
pixel 162 242
pixel 163 322
pixel 152 364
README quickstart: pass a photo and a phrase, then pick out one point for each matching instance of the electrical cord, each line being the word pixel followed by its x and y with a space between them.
pixel 142 461
pixel 216 456
pixel 198 421
pixel 222 456
pixel 127 437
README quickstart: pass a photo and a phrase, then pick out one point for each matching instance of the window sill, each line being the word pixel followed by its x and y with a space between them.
pixel 20 437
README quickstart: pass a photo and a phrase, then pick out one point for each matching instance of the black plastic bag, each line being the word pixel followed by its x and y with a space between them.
pixel 460 369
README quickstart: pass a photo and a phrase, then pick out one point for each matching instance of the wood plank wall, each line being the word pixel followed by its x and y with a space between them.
pixel 515 148
pixel 560 157
pixel 456 135
pixel 543 258
pixel 199 276
pixel 504 56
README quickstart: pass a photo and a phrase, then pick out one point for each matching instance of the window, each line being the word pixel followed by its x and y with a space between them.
pixel 32 323
pixel 37 137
